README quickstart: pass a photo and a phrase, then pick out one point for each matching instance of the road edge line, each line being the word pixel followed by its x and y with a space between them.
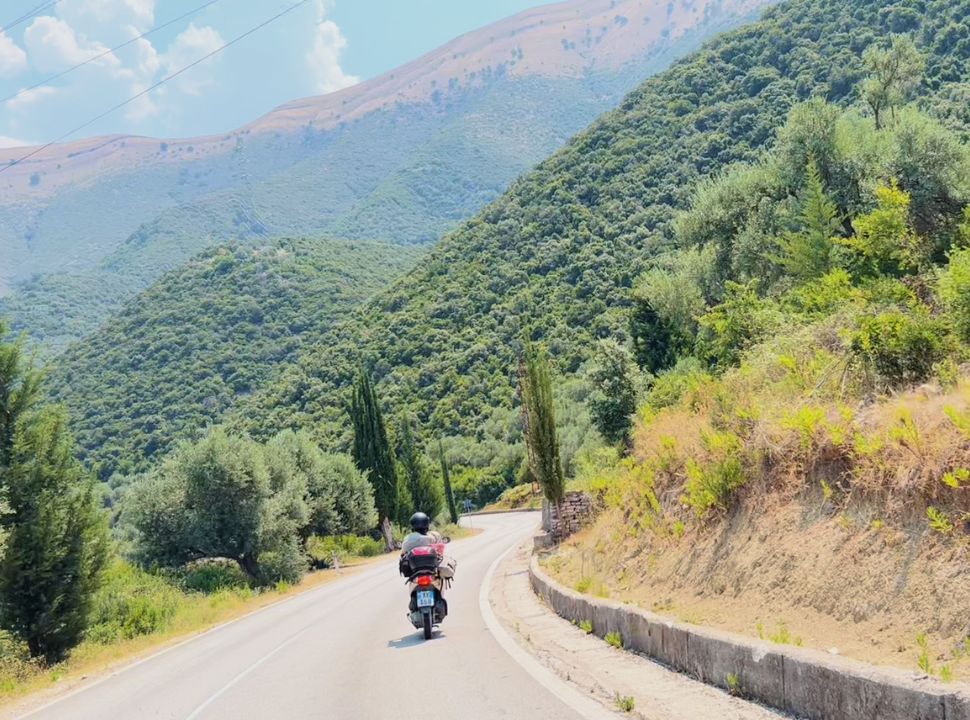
pixel 588 707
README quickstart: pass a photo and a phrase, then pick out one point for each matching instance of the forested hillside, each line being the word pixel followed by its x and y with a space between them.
pixel 402 158
pixel 206 335
pixel 558 255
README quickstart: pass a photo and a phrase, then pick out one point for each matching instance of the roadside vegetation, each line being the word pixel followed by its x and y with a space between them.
pixel 805 346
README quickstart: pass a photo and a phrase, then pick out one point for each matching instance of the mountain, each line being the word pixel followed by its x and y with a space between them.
pixel 556 256
pixel 401 158
pixel 210 333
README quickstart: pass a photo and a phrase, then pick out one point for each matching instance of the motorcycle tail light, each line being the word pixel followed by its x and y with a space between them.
pixel 425 581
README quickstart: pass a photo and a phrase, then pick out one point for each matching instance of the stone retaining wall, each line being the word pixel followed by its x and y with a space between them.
pixel 806 683
pixel 572 514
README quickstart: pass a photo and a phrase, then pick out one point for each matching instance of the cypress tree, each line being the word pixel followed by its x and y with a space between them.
pixel 446 479
pixel 422 489
pixel 19 387
pixel 57 539
pixel 372 452
pixel 539 423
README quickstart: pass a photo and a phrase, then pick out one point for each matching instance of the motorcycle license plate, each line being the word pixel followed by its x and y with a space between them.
pixel 425 598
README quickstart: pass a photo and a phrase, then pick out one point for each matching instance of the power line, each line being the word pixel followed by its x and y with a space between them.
pixel 28 15
pixel 108 52
pixel 154 87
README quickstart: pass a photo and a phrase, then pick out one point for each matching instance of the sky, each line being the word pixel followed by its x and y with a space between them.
pixel 320 47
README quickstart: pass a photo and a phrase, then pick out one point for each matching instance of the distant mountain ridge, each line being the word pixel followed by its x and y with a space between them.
pixel 567 39
pixel 402 158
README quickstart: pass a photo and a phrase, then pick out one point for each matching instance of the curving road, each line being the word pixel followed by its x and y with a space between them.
pixel 344 652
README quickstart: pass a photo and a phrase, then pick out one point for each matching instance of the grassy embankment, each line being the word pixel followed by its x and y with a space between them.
pixel 761 503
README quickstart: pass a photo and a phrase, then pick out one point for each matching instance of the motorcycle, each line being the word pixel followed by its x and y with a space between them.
pixel 422 567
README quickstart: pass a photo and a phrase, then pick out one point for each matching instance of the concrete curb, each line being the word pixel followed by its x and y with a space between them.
pixel 805 683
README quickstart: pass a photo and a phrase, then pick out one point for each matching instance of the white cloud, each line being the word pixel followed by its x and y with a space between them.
pixel 9 142
pixel 324 59
pixel 99 16
pixel 193 44
pixel 53 45
pixel 28 98
pixel 12 57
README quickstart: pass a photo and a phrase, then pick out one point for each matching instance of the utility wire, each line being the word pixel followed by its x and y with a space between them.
pixel 154 87
pixel 28 15
pixel 108 52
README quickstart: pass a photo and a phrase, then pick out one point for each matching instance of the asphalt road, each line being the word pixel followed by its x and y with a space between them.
pixel 344 651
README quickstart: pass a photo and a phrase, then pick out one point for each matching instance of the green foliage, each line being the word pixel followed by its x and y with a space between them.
pixel 614 397
pixel 734 325
pixel 205 336
pixel 406 174
pixel 900 348
pixel 806 252
pixel 955 291
pixel 539 423
pixel 339 499
pixel 560 250
pixel 446 482
pixel 712 483
pixel 669 388
pixel 415 473
pixel 884 239
pixel 56 537
pixel 894 73
pixel 19 388
pixel 372 449
pixel 939 520
pixel 625 703
pixel 130 603
pixel 229 497
pixel 342 548
pixel 585 625
pixel 212 576
pixel 668 300
pixel 614 639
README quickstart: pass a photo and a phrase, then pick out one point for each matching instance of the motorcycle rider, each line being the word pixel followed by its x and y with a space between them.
pixel 422 534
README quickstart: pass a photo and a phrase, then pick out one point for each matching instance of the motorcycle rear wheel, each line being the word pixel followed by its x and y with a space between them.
pixel 428 625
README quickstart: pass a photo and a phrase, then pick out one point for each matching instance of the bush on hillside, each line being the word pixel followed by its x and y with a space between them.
pixel 900 348
pixel 955 291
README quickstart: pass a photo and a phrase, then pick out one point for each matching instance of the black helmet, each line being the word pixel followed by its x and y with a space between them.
pixel 420 523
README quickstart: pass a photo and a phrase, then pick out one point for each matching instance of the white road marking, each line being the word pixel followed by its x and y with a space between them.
pixel 573 698
pixel 325 589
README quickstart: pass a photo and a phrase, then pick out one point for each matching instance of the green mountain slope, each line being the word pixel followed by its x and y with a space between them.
pixel 558 253
pixel 208 334
pixel 403 158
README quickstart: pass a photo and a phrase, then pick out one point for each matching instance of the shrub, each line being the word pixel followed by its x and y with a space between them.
pixel 671 387
pixel 824 295
pixel 209 576
pixel 16 665
pixel 735 325
pixel 712 483
pixel 131 603
pixel 955 291
pixel 614 639
pixel 900 348
pixel 323 550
